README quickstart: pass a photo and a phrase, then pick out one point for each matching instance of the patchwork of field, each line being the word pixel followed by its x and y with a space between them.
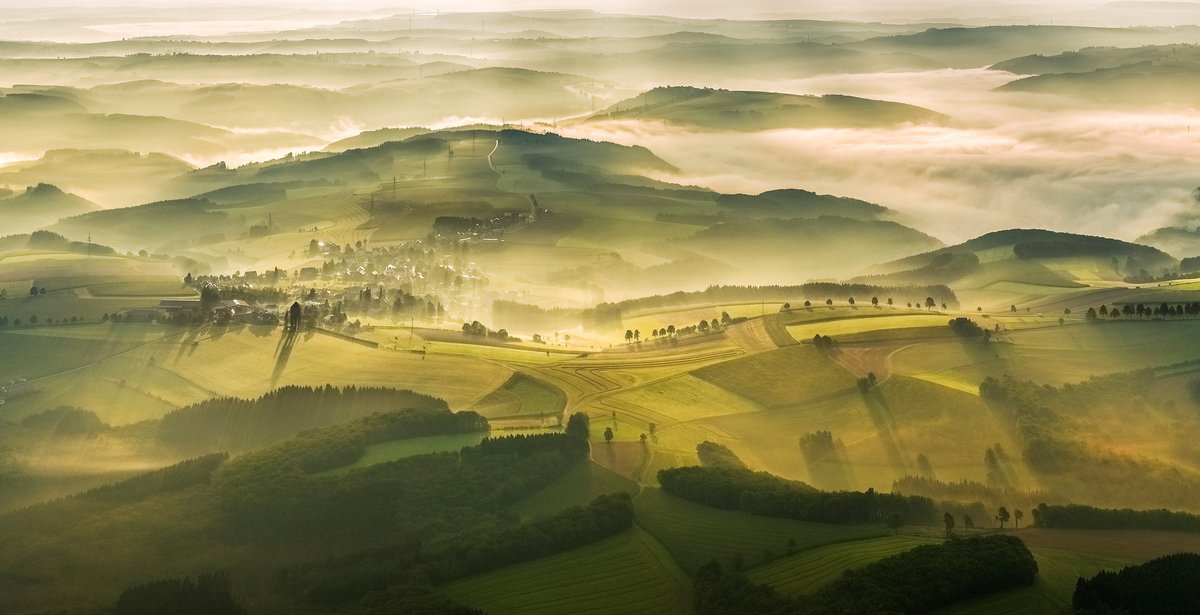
pixel 522 397
pixel 628 573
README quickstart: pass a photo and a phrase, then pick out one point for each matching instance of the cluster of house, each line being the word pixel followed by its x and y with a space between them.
pixel 189 310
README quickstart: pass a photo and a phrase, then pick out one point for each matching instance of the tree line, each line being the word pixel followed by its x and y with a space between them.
pixel 765 494
pixel 1166 585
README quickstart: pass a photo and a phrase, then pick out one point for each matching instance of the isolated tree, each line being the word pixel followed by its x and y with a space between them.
pixel 608 434
pixel 1091 315
pixel 1012 308
pixel 929 303
pixel 1103 310
pixel 889 301
pixel 637 335
pixel 652 427
pixel 671 329
pixel 787 306
pixel 1017 516
pixel 895 522
pixel 948 520
pixel 629 335
pixel 807 303
pixel 714 324
pixel 294 316
pixel 829 302
pixel 725 319
pixel 875 301
pixel 703 326
pixel 968 522
pixel 33 291
pixel 1002 516
pixel 1066 311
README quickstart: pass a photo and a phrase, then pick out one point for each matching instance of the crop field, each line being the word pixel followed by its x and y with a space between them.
pixel 42 351
pixel 780 378
pixel 628 573
pixel 868 322
pixel 686 397
pixel 811 569
pixel 63 305
pixel 695 534
pixel 157 288
pixel 577 487
pixel 503 354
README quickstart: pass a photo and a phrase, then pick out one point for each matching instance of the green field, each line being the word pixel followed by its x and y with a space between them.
pixel 695 534
pixel 577 487
pixel 780 378
pixel 810 570
pixel 628 573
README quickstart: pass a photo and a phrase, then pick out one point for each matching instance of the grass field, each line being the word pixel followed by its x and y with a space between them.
pixel 810 570
pixel 628 573
pixel 696 534
pixel 780 378
pixel 577 487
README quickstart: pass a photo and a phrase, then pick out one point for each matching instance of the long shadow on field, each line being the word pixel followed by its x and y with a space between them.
pixel 881 415
pixel 283 353
pixel 188 343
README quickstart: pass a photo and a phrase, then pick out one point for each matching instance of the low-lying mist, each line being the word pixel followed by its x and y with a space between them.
pixel 1002 160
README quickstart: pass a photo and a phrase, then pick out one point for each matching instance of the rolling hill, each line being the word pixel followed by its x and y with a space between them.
pixel 1138 76
pixel 738 110
pixel 40 206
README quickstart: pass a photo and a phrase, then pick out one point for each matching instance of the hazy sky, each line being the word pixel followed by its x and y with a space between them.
pixel 883 9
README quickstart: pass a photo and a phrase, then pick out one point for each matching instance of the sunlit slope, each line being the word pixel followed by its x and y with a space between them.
pixel 738 110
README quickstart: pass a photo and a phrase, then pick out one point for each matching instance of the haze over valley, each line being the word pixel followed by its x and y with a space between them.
pixel 515 307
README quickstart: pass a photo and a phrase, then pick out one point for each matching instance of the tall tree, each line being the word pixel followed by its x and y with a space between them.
pixel 948 521
pixel 1002 516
